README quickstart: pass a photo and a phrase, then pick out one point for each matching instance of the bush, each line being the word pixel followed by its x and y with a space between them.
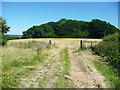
pixel 109 48
pixel 113 37
pixel 3 40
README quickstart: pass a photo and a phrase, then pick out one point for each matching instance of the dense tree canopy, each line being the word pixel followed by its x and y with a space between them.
pixel 71 28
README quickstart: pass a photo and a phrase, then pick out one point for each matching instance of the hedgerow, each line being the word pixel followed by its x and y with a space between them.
pixel 109 48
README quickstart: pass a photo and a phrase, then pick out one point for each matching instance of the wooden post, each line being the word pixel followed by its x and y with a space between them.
pixel 91 44
pixel 81 44
pixel 49 41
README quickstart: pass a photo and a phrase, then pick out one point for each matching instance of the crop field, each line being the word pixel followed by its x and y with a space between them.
pixel 37 63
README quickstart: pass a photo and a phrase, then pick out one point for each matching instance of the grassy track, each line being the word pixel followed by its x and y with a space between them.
pixel 24 66
pixel 62 82
pixel 109 74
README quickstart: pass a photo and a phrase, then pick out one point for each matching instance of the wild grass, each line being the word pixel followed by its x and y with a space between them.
pixel 111 77
pixel 15 59
pixel 83 48
pixel 28 44
pixel 90 41
pixel 62 82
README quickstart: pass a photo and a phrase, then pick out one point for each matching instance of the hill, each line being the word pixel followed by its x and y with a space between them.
pixel 67 28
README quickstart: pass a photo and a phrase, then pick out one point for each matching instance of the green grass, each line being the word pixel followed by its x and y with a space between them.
pixel 111 77
pixel 43 82
pixel 62 82
pixel 14 62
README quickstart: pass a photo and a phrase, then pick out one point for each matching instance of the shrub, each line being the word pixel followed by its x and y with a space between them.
pixel 113 37
pixel 109 48
pixel 3 40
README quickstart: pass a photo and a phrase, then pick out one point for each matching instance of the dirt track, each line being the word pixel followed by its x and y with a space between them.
pixel 82 72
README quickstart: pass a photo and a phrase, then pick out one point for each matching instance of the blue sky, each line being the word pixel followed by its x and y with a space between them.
pixel 22 15
pixel 60 0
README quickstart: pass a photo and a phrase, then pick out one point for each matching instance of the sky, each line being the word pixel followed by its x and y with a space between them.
pixel 20 16
pixel 60 0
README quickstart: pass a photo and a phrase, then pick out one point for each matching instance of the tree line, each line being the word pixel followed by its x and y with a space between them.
pixel 64 28
pixel 67 28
